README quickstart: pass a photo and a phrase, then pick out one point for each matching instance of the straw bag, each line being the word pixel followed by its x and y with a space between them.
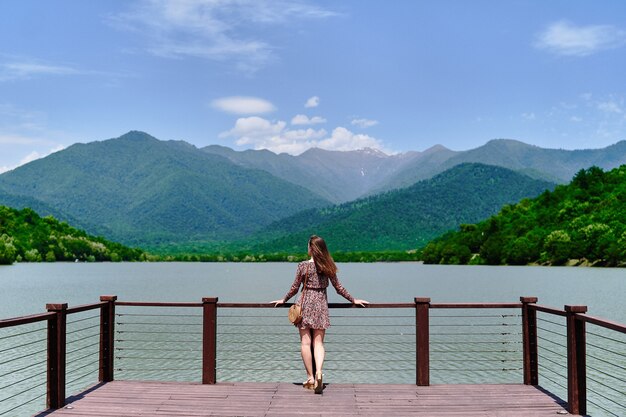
pixel 295 311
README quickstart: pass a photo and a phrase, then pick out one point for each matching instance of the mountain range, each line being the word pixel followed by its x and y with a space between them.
pixel 345 176
pixel 139 190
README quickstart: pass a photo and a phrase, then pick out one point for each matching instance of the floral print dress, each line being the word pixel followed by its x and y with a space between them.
pixel 315 304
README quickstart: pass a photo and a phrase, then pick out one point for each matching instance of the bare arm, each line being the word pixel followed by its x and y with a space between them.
pixel 340 289
pixel 345 294
pixel 293 290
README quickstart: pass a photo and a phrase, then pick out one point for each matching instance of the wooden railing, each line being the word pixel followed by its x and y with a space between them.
pixel 56 320
pixel 575 317
pixel 576 335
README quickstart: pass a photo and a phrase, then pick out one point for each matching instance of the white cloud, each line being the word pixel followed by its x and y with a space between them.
pixel 252 130
pixel 529 116
pixel 213 29
pixel 32 156
pixel 260 133
pixel 344 140
pixel 301 119
pixel 364 123
pixel 610 107
pixel 243 105
pixel 576 119
pixel 26 70
pixel 312 102
pixel 564 38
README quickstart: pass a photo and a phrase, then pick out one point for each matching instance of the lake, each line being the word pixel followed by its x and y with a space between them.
pixel 260 345
pixel 28 287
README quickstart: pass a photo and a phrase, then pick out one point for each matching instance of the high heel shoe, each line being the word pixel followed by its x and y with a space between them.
pixel 309 384
pixel 319 383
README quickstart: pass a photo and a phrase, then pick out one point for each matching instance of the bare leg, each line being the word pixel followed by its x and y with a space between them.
pixel 305 350
pixel 319 352
pixel 318 348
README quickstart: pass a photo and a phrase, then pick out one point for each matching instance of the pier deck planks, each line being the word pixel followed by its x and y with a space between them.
pixel 142 399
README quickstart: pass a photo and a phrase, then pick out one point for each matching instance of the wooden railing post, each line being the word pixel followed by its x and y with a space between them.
pixel 107 338
pixel 209 340
pixel 56 356
pixel 529 340
pixel 422 342
pixel 576 361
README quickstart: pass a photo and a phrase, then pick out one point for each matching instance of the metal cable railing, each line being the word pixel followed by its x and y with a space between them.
pixel 260 345
pixel 263 345
pixel 606 371
pixel 23 369
pixel 552 353
pixel 475 346
pixel 274 354
pixel 158 343
pixel 82 350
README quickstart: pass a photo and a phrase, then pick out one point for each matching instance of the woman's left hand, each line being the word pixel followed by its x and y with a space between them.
pixel 362 303
pixel 277 302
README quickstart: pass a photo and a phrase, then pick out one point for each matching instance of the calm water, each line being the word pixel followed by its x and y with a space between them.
pixel 26 288
pixel 260 345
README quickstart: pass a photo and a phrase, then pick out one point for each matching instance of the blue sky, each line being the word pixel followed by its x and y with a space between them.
pixel 288 75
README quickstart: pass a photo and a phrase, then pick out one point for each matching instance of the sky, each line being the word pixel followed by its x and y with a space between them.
pixel 285 75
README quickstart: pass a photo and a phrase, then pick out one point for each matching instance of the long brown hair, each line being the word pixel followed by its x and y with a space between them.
pixel 324 262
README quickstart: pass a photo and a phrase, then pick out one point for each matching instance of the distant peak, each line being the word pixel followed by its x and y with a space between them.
pixel 436 148
pixel 373 152
pixel 137 135
pixel 508 142
pixel 218 147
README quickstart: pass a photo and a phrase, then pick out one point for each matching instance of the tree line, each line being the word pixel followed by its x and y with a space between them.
pixel 583 222
pixel 380 256
pixel 27 237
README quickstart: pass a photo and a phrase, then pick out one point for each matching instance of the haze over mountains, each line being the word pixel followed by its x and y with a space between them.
pixel 142 191
pixel 334 175
pixel 344 176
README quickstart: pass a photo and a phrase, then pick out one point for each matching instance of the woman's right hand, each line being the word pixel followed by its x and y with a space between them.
pixel 362 303
pixel 277 302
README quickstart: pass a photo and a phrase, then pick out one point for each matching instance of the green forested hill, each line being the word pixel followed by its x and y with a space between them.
pixel 141 191
pixel 43 209
pixel 403 219
pixel 583 220
pixel 25 236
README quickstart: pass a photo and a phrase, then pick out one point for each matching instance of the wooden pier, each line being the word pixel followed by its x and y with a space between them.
pixel 144 399
pixel 209 396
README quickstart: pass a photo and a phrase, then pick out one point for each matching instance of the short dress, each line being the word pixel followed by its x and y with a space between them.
pixel 315 304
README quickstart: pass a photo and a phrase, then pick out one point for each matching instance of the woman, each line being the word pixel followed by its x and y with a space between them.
pixel 315 320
